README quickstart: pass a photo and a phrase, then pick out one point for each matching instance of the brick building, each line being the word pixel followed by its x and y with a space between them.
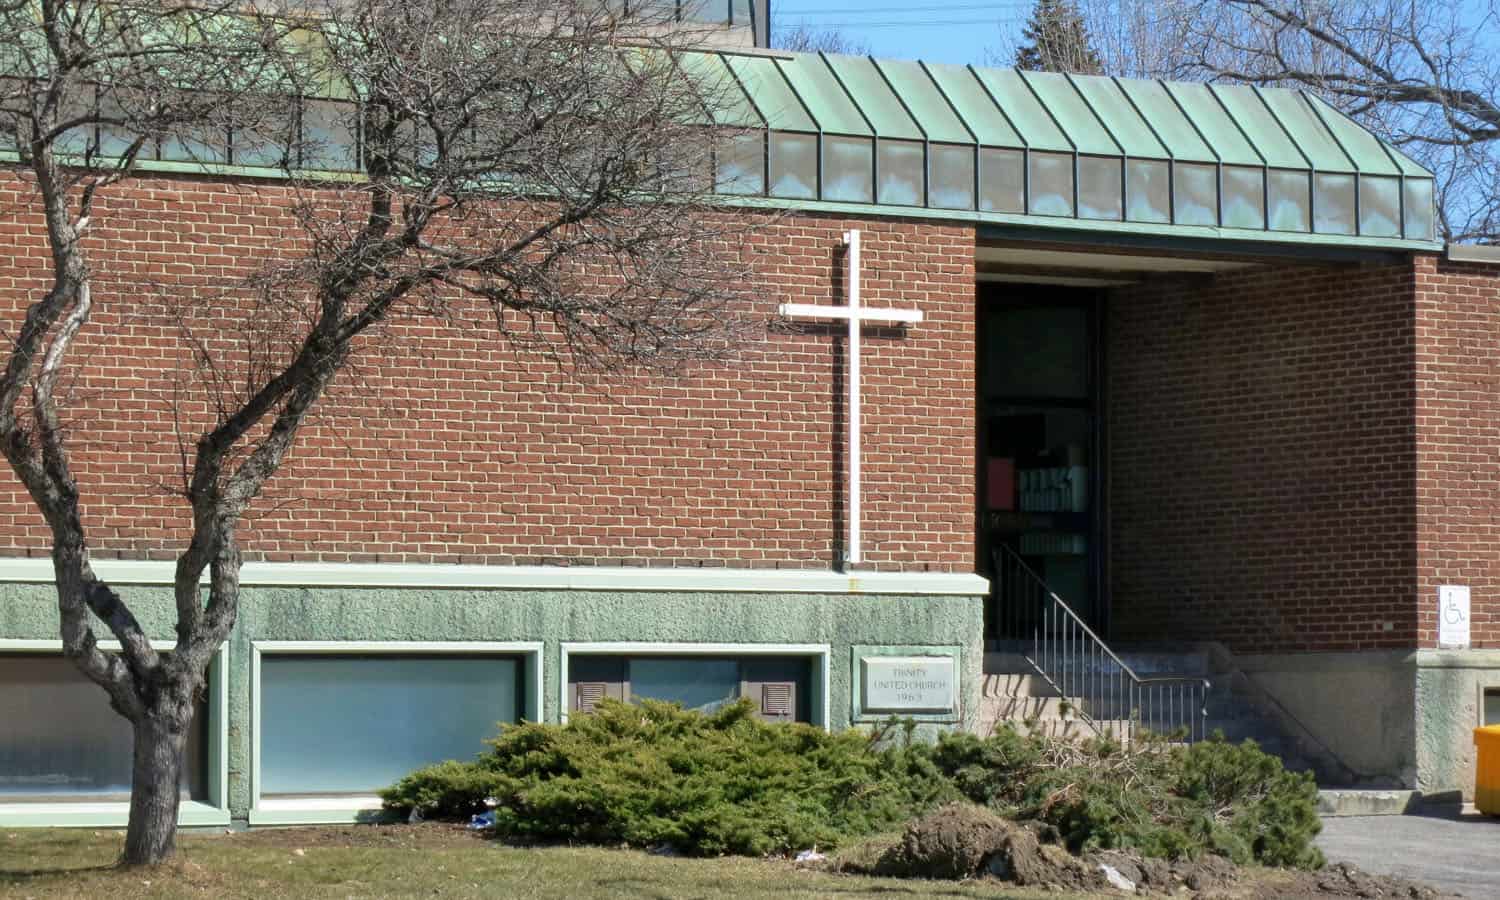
pixel 1194 397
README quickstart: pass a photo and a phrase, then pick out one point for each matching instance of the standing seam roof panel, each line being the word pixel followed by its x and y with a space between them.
pixel 770 93
pixel 1366 149
pixel 925 102
pixel 1307 131
pixel 1023 109
pixel 979 112
pixel 1221 132
pixel 1253 116
pixel 1181 138
pixel 1072 113
pixel 729 105
pixel 825 98
pixel 1124 123
pixel 874 97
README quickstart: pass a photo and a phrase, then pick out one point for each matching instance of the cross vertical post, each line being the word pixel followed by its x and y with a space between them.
pixel 857 316
pixel 851 240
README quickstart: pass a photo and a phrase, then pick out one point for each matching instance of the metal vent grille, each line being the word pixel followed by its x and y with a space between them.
pixel 776 700
pixel 589 695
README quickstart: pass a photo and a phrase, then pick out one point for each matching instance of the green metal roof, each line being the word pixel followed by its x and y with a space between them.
pixel 1287 133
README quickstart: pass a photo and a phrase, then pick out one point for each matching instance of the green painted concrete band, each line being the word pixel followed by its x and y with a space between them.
pixel 572 578
pixel 840 620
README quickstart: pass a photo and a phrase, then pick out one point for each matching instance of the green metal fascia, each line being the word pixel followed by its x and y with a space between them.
pixel 1090 226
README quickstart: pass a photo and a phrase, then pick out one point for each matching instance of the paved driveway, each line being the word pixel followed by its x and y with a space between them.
pixel 1458 853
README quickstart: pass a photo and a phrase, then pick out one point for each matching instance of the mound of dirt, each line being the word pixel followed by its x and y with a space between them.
pixel 964 841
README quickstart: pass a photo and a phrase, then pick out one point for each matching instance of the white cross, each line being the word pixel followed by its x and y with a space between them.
pixel 857 315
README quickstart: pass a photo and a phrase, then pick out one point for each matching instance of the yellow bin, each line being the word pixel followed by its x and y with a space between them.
pixel 1487 770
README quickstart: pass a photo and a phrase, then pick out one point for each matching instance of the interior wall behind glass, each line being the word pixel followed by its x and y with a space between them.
pixel 900 172
pixel 1149 190
pixel 1195 194
pixel 59 739
pixel 1002 185
pixel 952 177
pixel 742 165
pixel 1290 196
pixel 1100 192
pixel 1051 184
pixel 1038 352
pixel 848 169
pixel 700 684
pixel 1244 197
pixel 354 725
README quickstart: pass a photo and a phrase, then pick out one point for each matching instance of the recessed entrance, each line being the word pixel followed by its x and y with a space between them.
pixel 1040 443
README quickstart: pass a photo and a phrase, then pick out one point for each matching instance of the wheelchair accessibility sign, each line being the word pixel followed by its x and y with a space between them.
pixel 1453 617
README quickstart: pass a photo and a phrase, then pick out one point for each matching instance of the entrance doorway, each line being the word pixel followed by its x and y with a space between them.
pixel 1041 444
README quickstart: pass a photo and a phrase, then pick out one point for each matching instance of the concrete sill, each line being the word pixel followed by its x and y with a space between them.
pixel 191 814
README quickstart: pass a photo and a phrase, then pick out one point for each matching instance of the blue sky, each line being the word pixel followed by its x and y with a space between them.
pixel 951 31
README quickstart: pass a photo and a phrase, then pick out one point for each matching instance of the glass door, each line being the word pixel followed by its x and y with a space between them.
pixel 1040 442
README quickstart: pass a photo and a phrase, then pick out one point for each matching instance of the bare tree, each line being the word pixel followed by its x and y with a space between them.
pixel 1424 75
pixel 804 38
pixel 543 162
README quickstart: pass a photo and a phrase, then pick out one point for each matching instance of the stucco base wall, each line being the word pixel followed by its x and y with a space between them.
pixel 1360 706
pixel 1450 688
pixel 553 617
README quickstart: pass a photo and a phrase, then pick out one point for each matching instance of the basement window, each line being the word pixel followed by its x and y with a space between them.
pixel 61 742
pixel 781 687
pixel 1491 710
pixel 352 724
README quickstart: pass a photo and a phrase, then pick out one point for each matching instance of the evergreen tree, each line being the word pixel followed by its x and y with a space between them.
pixel 1057 41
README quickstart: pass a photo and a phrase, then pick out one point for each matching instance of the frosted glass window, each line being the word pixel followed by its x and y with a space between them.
pixel 354 725
pixel 1148 190
pixel 952 182
pixel 1288 190
pixel 1419 209
pixel 1244 197
pixel 269 143
pixel 113 139
pixel 1100 195
pixel 900 173
pixel 794 165
pixel 59 740
pixel 1002 186
pixel 1379 206
pixel 75 104
pixel 701 684
pixel 1195 194
pixel 742 165
pixel 848 169
pixel 1052 184
pixel 1333 203
pixel 328 142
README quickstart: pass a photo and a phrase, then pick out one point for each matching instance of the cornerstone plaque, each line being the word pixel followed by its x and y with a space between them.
pixel 909 684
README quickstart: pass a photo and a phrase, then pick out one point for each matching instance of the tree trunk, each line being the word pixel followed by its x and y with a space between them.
pixel 151 837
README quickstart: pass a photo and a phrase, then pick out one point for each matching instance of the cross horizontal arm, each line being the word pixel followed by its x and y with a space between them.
pixel 814 311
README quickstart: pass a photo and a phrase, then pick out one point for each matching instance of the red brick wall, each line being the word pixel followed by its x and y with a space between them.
pixel 1263 459
pixel 447 446
pixel 1458 451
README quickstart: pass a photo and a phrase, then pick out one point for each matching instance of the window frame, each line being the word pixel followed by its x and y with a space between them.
pixel 212 812
pixel 820 656
pixel 344 808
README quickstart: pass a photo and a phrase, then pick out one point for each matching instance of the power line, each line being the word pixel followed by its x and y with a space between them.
pixel 897 10
pixel 929 23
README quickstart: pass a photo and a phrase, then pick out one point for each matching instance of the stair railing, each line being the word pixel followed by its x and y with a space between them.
pixel 1074 661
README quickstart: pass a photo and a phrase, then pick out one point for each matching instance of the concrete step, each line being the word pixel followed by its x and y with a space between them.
pixel 1003 662
pixel 1000 684
pixel 1068 728
pixel 1336 802
pixel 1022 708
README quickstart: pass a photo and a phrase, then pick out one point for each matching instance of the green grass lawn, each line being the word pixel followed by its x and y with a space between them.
pixel 414 861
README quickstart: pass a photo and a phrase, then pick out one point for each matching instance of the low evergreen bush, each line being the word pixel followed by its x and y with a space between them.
pixel 726 782
pixel 654 774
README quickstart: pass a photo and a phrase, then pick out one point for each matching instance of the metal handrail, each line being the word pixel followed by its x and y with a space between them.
pixel 1074 661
